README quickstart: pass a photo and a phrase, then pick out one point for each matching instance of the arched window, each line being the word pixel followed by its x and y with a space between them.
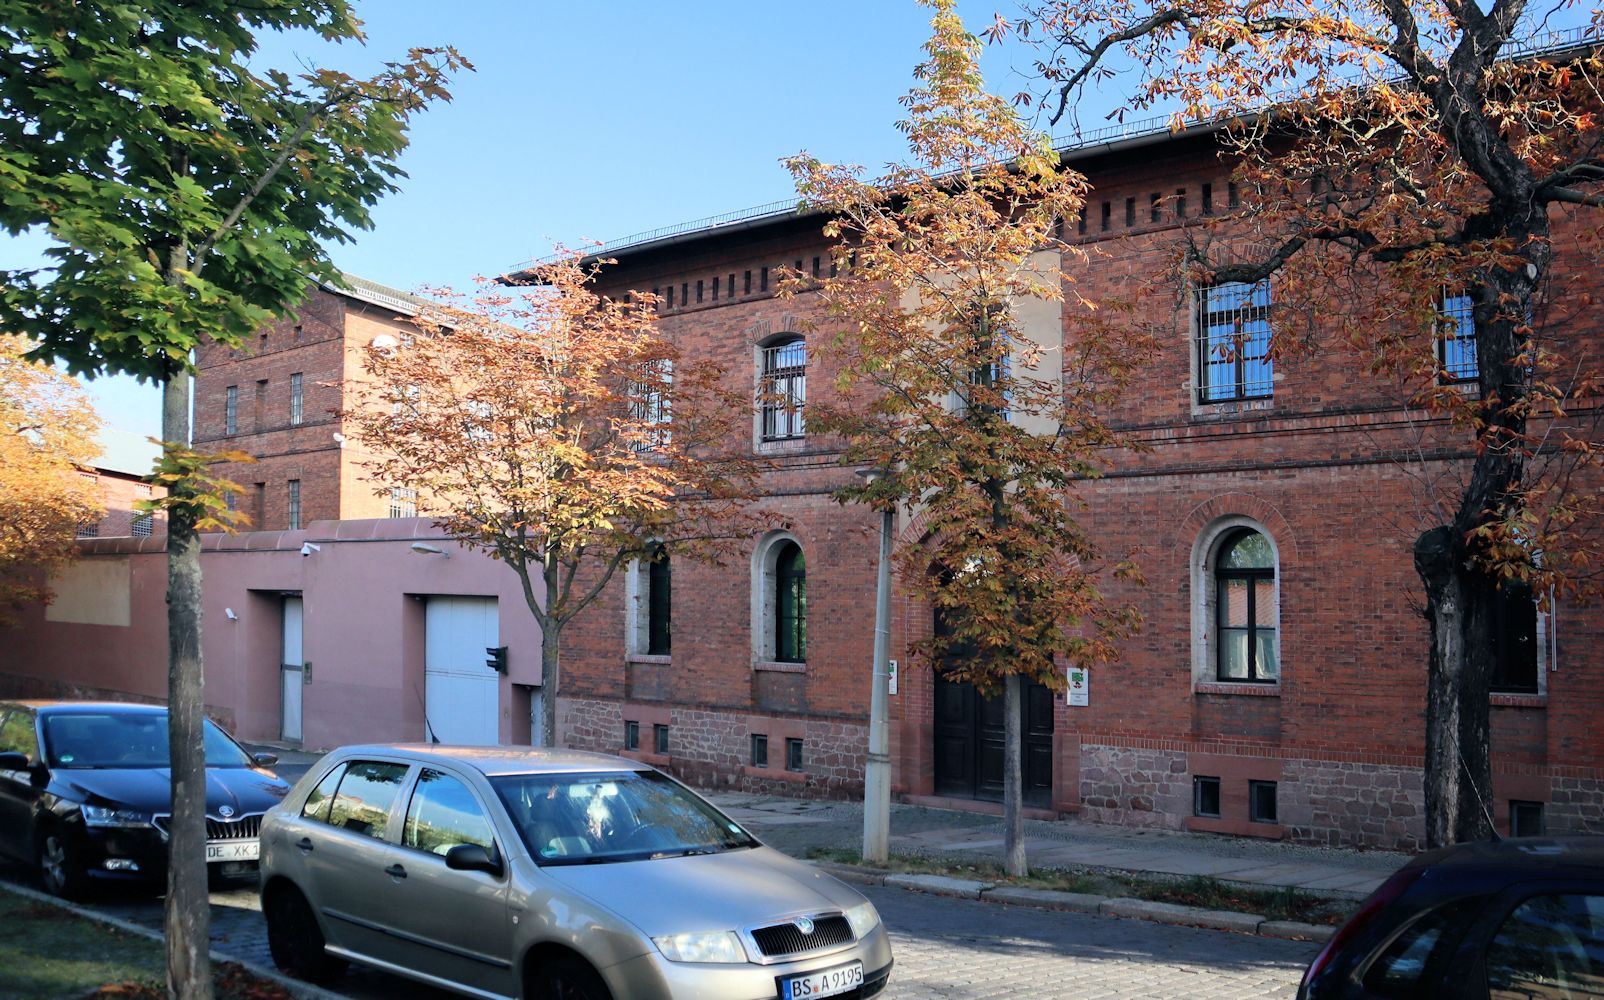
pixel 659 602
pixel 790 604
pixel 1245 608
pixel 783 388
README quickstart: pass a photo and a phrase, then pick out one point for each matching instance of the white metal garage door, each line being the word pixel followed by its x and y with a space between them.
pixel 462 695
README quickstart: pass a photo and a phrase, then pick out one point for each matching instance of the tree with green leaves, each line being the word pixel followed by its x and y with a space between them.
pixel 967 387
pixel 187 199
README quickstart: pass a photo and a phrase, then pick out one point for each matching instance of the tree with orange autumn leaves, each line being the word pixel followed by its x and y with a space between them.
pixel 47 435
pixel 981 426
pixel 1394 156
pixel 557 431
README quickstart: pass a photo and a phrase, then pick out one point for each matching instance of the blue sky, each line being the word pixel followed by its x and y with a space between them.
pixel 596 121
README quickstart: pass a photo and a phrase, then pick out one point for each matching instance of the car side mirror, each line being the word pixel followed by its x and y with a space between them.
pixel 472 858
pixel 12 760
pixel 265 759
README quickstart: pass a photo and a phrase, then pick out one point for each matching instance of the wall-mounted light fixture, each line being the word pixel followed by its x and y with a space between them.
pixel 425 549
pixel 307 548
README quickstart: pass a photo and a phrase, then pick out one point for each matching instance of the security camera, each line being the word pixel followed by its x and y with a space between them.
pixel 307 548
pixel 229 613
pixel 339 439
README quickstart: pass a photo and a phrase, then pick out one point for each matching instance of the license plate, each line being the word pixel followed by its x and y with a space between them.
pixel 827 983
pixel 239 850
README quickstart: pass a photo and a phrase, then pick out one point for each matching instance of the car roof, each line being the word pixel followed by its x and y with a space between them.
pixel 1520 852
pixel 493 761
pixel 50 707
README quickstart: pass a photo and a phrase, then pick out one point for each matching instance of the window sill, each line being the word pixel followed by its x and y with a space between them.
pixel 1518 700
pixel 654 759
pixel 1246 689
pixel 775 774
pixel 780 666
pixel 664 659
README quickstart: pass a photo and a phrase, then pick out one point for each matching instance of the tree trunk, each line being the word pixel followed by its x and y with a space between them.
pixel 188 918
pixel 1013 779
pixel 549 637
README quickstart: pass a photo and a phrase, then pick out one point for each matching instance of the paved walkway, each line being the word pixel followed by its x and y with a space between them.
pixel 797 826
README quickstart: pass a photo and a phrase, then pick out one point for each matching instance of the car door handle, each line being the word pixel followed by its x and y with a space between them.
pixel 396 871
pixel 305 844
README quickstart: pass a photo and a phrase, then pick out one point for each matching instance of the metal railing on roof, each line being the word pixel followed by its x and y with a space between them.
pixel 1540 44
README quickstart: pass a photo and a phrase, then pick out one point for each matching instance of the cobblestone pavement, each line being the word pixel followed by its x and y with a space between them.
pixel 948 948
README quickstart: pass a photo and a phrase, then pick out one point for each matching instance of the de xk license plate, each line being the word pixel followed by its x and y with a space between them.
pixel 824 983
pixel 236 850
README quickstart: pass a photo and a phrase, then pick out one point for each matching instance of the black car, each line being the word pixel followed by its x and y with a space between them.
pixel 85 794
pixel 1520 918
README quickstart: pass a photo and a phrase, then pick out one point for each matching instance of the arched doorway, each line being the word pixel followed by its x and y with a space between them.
pixel 970 737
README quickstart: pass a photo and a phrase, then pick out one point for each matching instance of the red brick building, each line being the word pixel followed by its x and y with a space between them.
pixel 121 474
pixel 279 400
pixel 1291 487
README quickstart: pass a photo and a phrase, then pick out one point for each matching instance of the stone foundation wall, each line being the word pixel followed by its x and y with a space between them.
pixel 1147 788
pixel 1353 805
pixel 711 749
pixel 1577 806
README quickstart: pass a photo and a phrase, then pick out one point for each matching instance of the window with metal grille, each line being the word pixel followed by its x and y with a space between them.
pixel 1233 342
pixel 651 405
pixel 790 605
pixel 403 502
pixel 231 410
pixel 760 750
pixel 1245 624
pixel 293 488
pixel 142 525
pixel 659 603
pixel 89 530
pixel 297 407
pixel 793 754
pixel 1456 339
pixel 784 389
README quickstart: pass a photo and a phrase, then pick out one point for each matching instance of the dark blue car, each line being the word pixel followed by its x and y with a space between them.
pixel 85 794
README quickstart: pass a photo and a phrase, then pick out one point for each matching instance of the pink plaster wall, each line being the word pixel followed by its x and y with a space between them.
pixel 364 628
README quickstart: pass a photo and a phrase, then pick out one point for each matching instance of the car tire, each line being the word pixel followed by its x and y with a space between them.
pixel 295 941
pixel 57 862
pixel 568 979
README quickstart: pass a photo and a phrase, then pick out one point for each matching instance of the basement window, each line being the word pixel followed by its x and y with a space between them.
pixel 1206 797
pixel 1261 802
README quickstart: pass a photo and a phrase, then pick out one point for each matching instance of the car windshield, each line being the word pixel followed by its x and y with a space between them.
pixel 577 819
pixel 134 739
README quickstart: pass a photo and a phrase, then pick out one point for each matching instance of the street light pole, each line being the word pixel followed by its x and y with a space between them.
pixel 877 768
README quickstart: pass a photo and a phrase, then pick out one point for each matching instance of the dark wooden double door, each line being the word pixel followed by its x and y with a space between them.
pixel 969 733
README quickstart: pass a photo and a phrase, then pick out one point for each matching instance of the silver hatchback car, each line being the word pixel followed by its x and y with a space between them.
pixel 502 872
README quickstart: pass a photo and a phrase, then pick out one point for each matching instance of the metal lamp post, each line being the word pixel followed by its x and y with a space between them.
pixel 877 769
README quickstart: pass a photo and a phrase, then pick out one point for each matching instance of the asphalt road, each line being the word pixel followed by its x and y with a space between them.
pixel 949 948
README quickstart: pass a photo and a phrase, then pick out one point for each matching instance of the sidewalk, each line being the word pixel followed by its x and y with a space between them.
pixel 797 827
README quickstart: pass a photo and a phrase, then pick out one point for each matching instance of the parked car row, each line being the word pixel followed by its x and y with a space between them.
pixel 494 872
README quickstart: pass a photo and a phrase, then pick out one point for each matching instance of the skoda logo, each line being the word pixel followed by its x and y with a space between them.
pixel 225 811
pixel 804 925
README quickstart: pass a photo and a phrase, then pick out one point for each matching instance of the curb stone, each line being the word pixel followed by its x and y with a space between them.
pixel 1141 909
pixel 296 988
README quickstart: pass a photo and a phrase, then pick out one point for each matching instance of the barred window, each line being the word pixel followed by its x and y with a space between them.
pixel 403 502
pixel 141 527
pixel 784 389
pixel 297 408
pixel 231 410
pixel 294 488
pixel 1456 339
pixel 651 405
pixel 89 530
pixel 1233 342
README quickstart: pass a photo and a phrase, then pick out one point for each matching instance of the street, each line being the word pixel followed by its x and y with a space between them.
pixel 944 948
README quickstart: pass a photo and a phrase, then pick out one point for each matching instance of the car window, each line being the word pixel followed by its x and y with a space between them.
pixel 16 732
pixel 443 814
pixel 1551 947
pixel 318 799
pixel 92 739
pixel 568 819
pixel 365 796
pixel 1397 973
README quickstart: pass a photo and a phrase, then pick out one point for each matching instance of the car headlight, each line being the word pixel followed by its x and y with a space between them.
pixel 111 816
pixel 863 919
pixel 710 946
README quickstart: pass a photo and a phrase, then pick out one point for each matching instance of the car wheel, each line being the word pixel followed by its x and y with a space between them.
pixel 294 940
pixel 58 865
pixel 569 979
